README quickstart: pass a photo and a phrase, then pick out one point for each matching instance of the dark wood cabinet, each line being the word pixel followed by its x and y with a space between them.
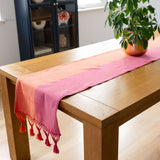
pixel 46 26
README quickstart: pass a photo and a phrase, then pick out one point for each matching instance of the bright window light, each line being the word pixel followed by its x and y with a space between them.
pixel 82 4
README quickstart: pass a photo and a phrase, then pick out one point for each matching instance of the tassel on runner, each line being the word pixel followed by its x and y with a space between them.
pixel 47 143
pixel 39 136
pixel 22 128
pixel 31 129
pixel 55 148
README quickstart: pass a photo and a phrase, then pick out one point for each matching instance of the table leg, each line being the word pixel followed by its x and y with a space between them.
pixel 18 142
pixel 100 143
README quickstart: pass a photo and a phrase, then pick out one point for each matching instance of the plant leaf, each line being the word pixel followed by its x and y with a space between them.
pixel 125 44
pixel 144 1
pixel 151 9
pixel 105 23
pixel 110 5
pixel 125 21
pixel 153 36
pixel 123 3
pixel 130 5
pixel 145 11
pixel 131 37
pixel 106 6
pixel 116 33
pixel 145 45
pixel 139 37
pixel 135 40
pixel 159 29
pixel 110 22
pixel 135 2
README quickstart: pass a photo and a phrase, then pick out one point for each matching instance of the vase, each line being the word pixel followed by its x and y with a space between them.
pixel 135 50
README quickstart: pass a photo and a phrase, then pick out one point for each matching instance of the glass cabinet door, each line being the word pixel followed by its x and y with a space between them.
pixel 42 29
pixel 66 24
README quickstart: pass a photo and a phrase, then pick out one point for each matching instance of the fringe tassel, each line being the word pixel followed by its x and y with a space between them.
pixel 47 140
pixel 22 128
pixel 22 119
pixel 39 136
pixel 55 148
pixel 31 129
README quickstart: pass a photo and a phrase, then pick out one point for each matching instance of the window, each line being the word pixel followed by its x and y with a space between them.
pixel 83 4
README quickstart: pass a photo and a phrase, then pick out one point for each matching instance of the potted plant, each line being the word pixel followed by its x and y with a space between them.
pixel 134 21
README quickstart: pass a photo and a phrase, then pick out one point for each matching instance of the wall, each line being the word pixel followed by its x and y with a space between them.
pixel 9 51
pixel 92 28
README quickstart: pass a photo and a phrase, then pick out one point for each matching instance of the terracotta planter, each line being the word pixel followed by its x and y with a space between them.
pixel 135 50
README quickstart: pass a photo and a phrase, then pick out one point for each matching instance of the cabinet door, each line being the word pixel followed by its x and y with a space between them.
pixel 42 28
pixel 67 28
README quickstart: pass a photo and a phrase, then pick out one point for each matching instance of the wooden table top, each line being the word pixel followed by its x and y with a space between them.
pixel 118 99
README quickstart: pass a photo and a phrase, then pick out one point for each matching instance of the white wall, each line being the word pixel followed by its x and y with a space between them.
pixel 92 28
pixel 9 51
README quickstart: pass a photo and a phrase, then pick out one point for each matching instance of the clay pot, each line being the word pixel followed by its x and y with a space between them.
pixel 135 50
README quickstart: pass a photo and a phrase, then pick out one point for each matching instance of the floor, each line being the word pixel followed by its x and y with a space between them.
pixel 139 139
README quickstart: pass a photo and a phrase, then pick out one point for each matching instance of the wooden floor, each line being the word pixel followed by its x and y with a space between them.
pixel 139 139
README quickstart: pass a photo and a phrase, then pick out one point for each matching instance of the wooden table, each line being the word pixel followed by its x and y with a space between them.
pixel 101 109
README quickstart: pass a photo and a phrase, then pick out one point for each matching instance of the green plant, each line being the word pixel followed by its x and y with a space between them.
pixel 134 22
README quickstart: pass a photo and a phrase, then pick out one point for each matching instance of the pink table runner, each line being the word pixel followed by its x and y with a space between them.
pixel 38 94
